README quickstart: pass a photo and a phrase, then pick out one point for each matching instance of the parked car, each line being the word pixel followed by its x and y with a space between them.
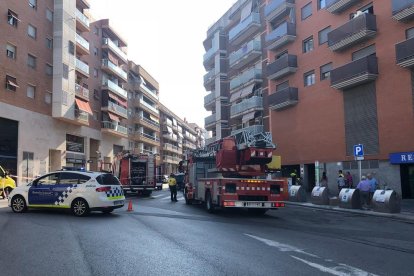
pixel 79 191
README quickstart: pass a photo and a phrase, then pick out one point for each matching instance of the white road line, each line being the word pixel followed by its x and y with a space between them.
pixel 156 196
pixel 169 197
pixel 341 270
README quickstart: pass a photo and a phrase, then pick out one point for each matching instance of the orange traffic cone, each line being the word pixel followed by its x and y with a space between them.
pixel 129 206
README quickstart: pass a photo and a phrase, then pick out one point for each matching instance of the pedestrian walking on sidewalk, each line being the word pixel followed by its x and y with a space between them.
pixel 348 180
pixel 324 180
pixel 340 181
pixel 364 188
pixel 373 186
pixel 294 176
pixel 172 183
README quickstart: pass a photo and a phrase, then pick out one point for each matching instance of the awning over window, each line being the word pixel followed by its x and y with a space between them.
pixel 11 81
pixel 169 129
pixel 234 96
pixel 155 119
pixel 180 135
pixel 84 106
pixel 113 117
pixel 248 116
pixel 247 90
pixel 112 58
pixel 120 100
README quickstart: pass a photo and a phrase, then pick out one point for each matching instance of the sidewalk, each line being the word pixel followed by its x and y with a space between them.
pixel 407 209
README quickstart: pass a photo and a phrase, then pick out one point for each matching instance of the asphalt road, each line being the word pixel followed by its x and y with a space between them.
pixel 163 238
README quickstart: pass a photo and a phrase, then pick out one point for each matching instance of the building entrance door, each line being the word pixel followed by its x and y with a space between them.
pixel 407 181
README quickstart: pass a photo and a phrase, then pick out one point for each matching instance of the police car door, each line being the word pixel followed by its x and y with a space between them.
pixel 42 190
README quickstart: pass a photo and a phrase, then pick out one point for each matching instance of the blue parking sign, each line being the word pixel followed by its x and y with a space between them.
pixel 358 150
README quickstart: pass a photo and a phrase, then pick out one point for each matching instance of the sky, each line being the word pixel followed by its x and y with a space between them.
pixel 166 39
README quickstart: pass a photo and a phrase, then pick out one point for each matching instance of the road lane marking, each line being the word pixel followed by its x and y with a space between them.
pixel 282 247
pixel 156 196
pixel 341 270
pixel 169 197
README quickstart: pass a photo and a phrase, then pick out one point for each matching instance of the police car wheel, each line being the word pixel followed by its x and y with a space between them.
pixel 18 204
pixel 80 207
pixel 107 211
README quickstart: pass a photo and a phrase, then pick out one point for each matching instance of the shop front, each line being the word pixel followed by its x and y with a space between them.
pixel 406 162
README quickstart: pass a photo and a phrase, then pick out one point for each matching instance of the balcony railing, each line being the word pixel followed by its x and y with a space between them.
pixel 81 91
pixel 280 36
pixel 114 87
pixel 253 103
pixel 115 48
pixel 210 119
pixel 355 73
pixel 356 30
pixel 172 148
pixel 209 99
pixel 117 108
pixel 115 127
pixel 246 77
pixel 151 122
pixel 149 91
pixel 82 66
pixel 148 136
pixel 403 10
pixel 144 103
pixel 116 69
pixel 82 116
pixel 251 129
pixel 277 9
pixel 245 54
pixel 83 42
pixel 282 67
pixel 283 98
pixel 405 53
pixel 337 6
pixel 209 53
pixel 245 28
pixel 209 76
pixel 82 18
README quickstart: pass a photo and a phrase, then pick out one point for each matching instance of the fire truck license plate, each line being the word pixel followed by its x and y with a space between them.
pixel 118 202
pixel 257 204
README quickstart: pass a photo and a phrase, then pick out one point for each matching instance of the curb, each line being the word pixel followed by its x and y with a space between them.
pixel 400 216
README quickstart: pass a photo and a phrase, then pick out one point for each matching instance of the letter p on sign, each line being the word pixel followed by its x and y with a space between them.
pixel 358 150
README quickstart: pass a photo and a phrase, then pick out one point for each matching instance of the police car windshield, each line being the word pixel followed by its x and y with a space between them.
pixel 107 179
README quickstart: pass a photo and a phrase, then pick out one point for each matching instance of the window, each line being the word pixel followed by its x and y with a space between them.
pixel 73 178
pixel 364 52
pixel 306 11
pixel 308 44
pixel 33 4
pixel 71 47
pixel 95 51
pixel 49 69
pixel 11 51
pixel 326 71
pixel 74 143
pixel 49 15
pixel 409 33
pixel 50 179
pixel 49 43
pixel 323 35
pixel 31 91
pixel 282 54
pixel 48 97
pixel 11 83
pixel 309 78
pixel 95 72
pixel 367 9
pixel 12 18
pixel 65 71
pixel 28 164
pixel 282 86
pixel 31 31
pixel 31 61
pixel 321 4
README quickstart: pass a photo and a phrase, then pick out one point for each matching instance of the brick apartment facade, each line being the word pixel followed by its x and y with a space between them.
pixel 69 96
pixel 335 73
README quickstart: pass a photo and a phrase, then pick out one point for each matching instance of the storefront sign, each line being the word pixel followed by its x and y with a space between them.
pixel 402 158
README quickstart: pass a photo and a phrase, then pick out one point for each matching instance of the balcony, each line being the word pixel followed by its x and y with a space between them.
pixel 405 53
pixel 403 10
pixel 246 54
pixel 148 123
pixel 82 20
pixel 149 92
pixel 277 9
pixel 282 67
pixel 114 108
pixel 245 29
pixel 356 30
pixel 110 85
pixel 254 103
pixel 114 129
pixel 251 129
pixel 209 79
pixel 148 107
pixel 337 6
pixel 210 119
pixel 246 78
pixel 82 117
pixel 81 92
pixel 82 68
pixel 82 46
pixel 283 99
pixel 280 36
pixel 209 101
pixel 147 138
pixel 172 148
pixel 170 136
pixel 107 43
pixel 112 69
pixel 355 73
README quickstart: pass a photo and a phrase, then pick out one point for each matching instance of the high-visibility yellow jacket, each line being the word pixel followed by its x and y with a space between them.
pixel 172 181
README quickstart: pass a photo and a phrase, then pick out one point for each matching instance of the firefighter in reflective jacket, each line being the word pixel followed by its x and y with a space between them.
pixel 172 183
pixel 293 176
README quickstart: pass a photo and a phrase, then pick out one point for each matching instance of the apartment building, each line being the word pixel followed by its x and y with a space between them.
pixel 336 74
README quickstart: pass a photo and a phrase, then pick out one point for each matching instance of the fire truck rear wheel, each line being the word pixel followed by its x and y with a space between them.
pixel 209 203
pixel 256 211
pixel 187 201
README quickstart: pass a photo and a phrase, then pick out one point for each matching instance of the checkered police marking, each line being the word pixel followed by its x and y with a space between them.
pixel 114 193
pixel 64 195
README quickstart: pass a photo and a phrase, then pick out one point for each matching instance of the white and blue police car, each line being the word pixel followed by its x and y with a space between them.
pixel 79 191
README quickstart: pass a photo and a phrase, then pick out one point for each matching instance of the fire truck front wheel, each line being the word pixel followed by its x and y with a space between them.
pixel 209 203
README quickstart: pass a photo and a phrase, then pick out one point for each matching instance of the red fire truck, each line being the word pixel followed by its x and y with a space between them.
pixel 136 172
pixel 230 173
